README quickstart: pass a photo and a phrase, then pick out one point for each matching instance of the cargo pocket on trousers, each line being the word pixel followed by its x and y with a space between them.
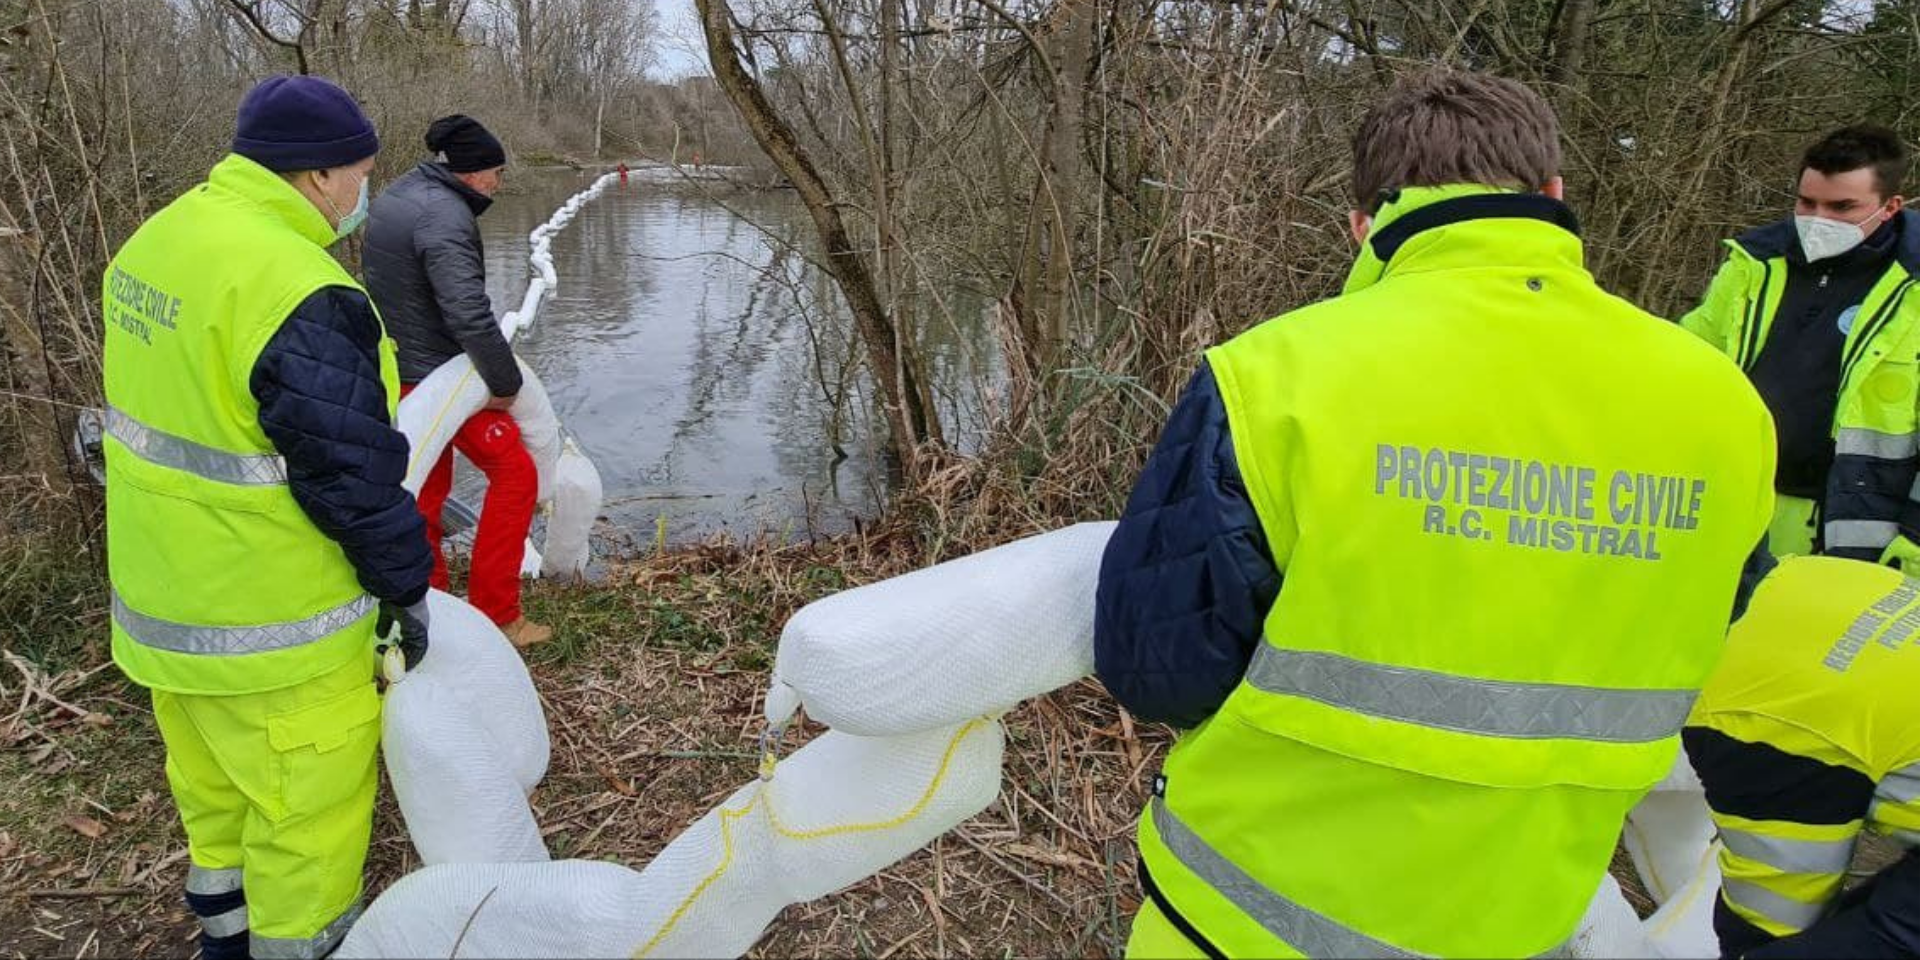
pixel 325 751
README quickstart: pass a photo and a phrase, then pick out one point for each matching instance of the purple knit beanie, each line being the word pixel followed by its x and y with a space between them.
pixel 302 123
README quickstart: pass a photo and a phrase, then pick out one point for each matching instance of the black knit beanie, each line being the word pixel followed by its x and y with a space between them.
pixel 464 145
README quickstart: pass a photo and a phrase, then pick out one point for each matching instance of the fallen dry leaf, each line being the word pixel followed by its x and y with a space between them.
pixel 87 826
pixel 614 780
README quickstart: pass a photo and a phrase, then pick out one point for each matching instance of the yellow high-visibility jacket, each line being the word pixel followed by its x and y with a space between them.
pixel 1807 734
pixel 1502 587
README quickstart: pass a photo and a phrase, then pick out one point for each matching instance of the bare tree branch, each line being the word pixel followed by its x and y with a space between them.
pixel 249 12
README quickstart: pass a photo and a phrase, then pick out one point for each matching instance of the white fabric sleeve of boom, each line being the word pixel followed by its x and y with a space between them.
pixel 841 809
pixel 1683 926
pixel 1668 830
pixel 465 741
pixel 971 636
pixel 452 394
pixel 1611 929
pixel 576 502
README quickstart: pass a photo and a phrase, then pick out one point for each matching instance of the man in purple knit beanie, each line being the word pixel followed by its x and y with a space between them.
pixel 258 536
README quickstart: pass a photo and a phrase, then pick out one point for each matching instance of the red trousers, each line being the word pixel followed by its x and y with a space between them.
pixel 490 441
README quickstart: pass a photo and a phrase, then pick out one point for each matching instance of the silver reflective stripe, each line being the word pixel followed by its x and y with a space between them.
pixel 207 463
pixel 210 882
pixel 1900 786
pixel 1873 443
pixel 1300 928
pixel 1782 910
pixel 1498 708
pixel 233 641
pixel 227 924
pixel 311 948
pixel 1790 856
pixel 1861 534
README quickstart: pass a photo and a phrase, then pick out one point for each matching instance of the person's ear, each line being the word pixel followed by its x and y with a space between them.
pixel 1895 204
pixel 1555 188
pixel 1360 224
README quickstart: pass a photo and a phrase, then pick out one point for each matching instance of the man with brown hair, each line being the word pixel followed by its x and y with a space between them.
pixel 1431 597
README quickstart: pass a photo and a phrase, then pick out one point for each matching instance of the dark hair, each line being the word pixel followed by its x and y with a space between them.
pixel 1857 147
pixel 1442 127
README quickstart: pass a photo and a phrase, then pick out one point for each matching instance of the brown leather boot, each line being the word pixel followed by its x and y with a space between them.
pixel 524 633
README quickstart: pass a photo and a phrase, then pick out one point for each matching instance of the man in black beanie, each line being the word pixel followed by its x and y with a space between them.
pixel 427 273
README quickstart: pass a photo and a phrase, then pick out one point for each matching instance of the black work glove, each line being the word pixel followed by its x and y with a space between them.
pixel 412 623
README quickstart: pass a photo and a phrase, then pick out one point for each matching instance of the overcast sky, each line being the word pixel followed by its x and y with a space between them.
pixel 680 52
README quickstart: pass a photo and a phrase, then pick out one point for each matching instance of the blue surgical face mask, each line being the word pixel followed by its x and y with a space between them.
pixel 352 220
pixel 356 216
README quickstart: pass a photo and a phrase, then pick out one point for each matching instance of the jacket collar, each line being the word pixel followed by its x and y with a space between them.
pixel 1428 225
pixel 264 188
pixel 438 173
pixel 1780 239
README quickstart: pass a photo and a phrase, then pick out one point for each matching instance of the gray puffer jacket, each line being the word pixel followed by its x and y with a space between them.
pixel 427 274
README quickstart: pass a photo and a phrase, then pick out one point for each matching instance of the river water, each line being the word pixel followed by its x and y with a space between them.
pixel 692 352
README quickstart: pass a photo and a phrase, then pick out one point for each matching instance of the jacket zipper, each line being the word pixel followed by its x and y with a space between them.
pixel 1750 337
pixel 1879 321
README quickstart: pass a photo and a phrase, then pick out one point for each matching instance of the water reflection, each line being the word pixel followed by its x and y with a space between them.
pixel 697 358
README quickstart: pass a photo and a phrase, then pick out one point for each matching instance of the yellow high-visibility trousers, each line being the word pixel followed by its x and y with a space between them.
pixel 276 792
pixel 1791 534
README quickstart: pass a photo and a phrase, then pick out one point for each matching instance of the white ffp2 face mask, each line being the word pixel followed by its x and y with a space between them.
pixel 1823 239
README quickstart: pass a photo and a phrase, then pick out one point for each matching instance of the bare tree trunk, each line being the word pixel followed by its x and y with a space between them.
pixel 1065 160
pixel 1570 46
pixel 1043 291
pixel 600 119
pixel 908 418
pixel 523 14
pixel 901 291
